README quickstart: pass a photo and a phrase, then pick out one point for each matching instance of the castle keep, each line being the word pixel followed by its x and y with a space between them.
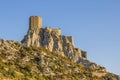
pixel 35 21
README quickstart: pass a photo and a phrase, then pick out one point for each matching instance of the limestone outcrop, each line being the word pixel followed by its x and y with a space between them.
pixel 52 40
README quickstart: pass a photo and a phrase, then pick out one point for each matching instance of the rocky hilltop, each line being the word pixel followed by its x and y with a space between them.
pixel 45 54
pixel 52 40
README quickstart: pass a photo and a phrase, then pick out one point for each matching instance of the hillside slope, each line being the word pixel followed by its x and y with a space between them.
pixel 18 62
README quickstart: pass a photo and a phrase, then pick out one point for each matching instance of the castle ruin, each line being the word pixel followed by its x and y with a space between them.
pixel 52 40
pixel 35 22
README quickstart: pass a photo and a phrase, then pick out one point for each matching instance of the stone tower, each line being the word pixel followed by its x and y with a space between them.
pixel 35 22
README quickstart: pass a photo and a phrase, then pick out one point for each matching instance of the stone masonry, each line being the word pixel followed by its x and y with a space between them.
pixel 35 21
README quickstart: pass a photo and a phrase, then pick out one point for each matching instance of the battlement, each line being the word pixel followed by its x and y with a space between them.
pixel 35 22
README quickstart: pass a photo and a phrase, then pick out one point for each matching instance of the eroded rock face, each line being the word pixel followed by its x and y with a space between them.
pixel 52 40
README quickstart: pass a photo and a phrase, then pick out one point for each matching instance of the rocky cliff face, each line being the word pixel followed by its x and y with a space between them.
pixel 52 40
